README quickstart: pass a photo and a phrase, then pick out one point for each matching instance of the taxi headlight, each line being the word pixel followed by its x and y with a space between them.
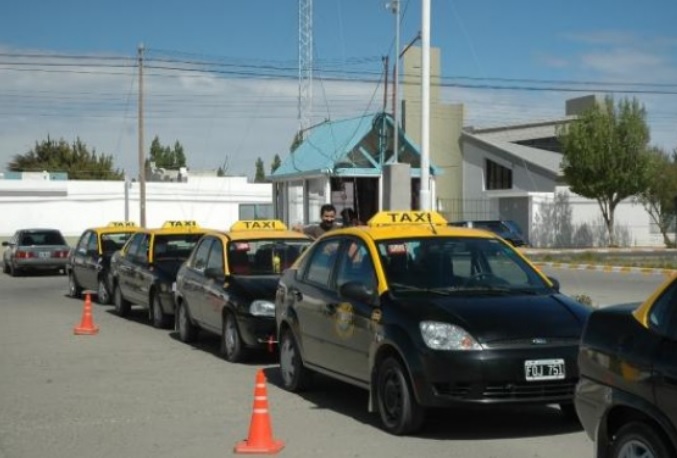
pixel 262 308
pixel 445 336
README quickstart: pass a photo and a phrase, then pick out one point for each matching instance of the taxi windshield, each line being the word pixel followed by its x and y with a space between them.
pixel 173 247
pixel 449 264
pixel 264 257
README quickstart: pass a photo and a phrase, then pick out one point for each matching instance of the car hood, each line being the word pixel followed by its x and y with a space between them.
pixel 507 318
pixel 256 287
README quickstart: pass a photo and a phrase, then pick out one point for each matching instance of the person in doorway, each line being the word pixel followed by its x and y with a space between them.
pixel 327 220
pixel 349 217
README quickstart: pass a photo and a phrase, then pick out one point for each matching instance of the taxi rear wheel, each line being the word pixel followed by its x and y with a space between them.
pixel 74 290
pixel 187 330
pixel 232 346
pixel 397 406
pixel 158 317
pixel 102 294
pixel 122 306
pixel 295 376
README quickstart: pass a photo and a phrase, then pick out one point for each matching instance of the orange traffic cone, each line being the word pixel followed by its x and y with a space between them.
pixel 87 325
pixel 260 438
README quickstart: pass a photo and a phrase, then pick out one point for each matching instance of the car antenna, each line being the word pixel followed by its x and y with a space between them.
pixel 432 226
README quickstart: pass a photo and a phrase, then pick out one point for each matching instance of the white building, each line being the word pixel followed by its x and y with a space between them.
pixel 72 206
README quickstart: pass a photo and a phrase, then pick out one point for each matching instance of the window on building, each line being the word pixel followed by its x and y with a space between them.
pixel 497 176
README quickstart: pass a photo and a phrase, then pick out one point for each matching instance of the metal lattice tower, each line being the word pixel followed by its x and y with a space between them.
pixel 305 64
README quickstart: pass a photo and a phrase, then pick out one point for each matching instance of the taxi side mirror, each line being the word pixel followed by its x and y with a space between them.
pixel 5 243
pixel 358 291
pixel 215 274
pixel 555 283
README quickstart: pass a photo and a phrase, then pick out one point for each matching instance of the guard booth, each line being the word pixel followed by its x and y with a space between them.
pixel 349 163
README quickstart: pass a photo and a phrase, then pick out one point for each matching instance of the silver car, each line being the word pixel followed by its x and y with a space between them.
pixel 32 250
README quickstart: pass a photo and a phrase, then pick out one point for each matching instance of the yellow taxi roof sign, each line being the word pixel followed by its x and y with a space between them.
pixel 122 224
pixel 179 224
pixel 394 218
pixel 259 225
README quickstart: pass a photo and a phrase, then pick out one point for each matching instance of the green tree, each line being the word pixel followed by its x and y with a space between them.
pixel 605 155
pixel 165 157
pixel 660 196
pixel 260 176
pixel 59 156
pixel 277 162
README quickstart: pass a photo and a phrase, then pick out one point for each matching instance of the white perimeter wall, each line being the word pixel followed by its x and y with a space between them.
pixel 73 206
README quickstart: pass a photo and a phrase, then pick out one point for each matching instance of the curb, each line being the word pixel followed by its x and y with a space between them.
pixel 602 268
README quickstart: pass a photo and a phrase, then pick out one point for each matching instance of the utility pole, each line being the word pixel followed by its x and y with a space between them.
pixel 395 7
pixel 425 203
pixel 142 159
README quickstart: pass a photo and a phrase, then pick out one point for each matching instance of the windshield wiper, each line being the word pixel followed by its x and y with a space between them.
pixel 416 289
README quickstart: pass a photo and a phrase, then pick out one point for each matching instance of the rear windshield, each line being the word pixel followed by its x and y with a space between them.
pixel 37 238
pixel 169 247
pixel 264 257
pixel 111 242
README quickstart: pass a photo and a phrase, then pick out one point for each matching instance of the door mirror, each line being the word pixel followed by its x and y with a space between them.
pixel 358 291
pixel 5 243
pixel 215 274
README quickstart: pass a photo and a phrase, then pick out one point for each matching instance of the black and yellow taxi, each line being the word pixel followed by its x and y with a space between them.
pixel 423 314
pixel 227 286
pixel 144 270
pixel 626 397
pixel 88 266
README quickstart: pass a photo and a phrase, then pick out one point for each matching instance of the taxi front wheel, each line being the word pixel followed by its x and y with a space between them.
pixel 295 376
pixel 232 347
pixel 397 406
pixel 122 306
pixel 187 330
pixel 638 440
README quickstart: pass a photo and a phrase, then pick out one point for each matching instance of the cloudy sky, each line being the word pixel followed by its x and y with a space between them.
pixel 221 77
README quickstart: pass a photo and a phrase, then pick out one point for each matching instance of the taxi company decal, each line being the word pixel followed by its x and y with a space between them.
pixel 344 320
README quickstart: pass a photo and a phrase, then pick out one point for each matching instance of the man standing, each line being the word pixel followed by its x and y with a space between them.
pixel 328 216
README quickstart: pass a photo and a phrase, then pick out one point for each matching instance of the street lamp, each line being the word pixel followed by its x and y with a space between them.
pixel 394 6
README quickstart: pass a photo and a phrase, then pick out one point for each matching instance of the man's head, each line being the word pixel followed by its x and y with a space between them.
pixel 328 216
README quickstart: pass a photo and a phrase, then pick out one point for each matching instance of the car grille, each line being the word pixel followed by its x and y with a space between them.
pixel 508 391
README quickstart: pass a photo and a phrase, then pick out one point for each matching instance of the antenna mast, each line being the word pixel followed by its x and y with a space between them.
pixel 305 64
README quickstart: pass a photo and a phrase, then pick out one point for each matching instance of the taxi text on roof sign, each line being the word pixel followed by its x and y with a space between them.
pixel 387 218
pixel 122 224
pixel 179 223
pixel 259 225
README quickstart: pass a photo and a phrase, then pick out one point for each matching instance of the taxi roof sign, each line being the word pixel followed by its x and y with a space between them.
pixel 179 224
pixel 395 218
pixel 259 225
pixel 121 224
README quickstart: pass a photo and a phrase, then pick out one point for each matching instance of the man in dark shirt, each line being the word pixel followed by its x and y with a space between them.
pixel 328 216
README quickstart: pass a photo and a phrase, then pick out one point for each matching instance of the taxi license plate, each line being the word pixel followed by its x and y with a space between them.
pixel 544 369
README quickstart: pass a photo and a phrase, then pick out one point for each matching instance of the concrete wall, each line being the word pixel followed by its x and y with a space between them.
pixel 73 206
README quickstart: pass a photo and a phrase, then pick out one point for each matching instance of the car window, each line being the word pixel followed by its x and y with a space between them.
pixel 81 247
pixel 215 260
pixel 321 262
pixel 199 261
pixel 92 243
pixel 455 262
pixel 663 310
pixel 356 265
pixel 133 246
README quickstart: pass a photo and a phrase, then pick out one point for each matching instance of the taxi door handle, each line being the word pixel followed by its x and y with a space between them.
pixel 330 309
pixel 296 294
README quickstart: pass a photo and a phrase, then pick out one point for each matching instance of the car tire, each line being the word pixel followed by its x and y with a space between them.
pixel 295 376
pixel 102 292
pixel 159 318
pixel 74 290
pixel 400 412
pixel 14 271
pixel 232 346
pixel 187 330
pixel 5 268
pixel 637 439
pixel 122 305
